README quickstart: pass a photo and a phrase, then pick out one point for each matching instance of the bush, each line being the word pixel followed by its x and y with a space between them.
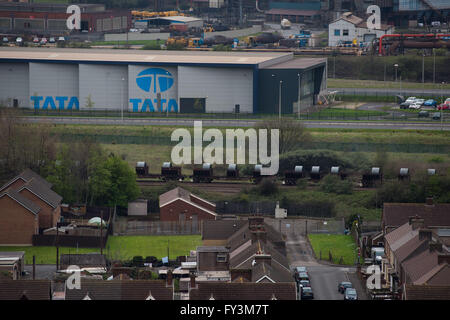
pixel 324 159
pixel 334 184
pixel 267 187
pixel 138 261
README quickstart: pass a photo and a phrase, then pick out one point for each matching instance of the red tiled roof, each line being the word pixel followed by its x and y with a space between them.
pixel 184 195
pixel 121 290
pixel 243 291
pixel 424 292
pixel 396 214
pixel 25 289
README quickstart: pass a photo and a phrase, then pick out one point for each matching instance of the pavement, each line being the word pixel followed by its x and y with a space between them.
pixel 399 125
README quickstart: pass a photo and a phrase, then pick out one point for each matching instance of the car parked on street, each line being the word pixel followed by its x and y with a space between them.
pixel 444 106
pixel 19 40
pixel 303 276
pixel 411 100
pixel 344 285
pixel 423 114
pixel 301 269
pixel 447 101
pixel 436 116
pixel 304 283
pixel 430 103
pixel 350 294
pixel 307 293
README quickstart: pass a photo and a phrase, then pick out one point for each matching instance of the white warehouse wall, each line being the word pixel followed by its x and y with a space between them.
pixel 14 80
pixel 223 88
pixel 104 85
pixel 53 80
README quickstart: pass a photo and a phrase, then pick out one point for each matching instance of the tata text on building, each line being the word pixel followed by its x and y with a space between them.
pixel 158 81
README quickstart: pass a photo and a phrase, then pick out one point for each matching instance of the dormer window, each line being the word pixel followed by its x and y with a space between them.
pixel 221 257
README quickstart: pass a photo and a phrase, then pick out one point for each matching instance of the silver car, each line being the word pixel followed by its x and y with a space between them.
pixel 350 294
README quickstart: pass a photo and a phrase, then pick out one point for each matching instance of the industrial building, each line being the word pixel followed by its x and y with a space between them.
pixel 45 18
pixel 159 81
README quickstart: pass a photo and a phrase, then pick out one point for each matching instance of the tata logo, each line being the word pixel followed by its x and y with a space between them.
pixel 50 102
pixel 155 80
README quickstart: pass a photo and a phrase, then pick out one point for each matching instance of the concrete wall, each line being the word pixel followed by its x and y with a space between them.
pixel 14 84
pixel 234 33
pixel 223 88
pixel 104 85
pixel 132 36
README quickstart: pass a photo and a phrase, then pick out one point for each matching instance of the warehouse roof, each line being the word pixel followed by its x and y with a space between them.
pixel 143 56
pixel 183 19
pixel 297 63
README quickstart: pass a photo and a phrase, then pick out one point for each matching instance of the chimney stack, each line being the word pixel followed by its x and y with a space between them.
pixel 416 222
pixel 192 282
pixel 425 234
pixel 266 258
pixel 443 258
pixel 169 278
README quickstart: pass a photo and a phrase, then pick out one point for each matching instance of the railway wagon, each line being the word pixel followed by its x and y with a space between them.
pixel 291 177
pixel 203 174
pixel 372 178
pixel 232 171
pixel 141 168
pixel 169 172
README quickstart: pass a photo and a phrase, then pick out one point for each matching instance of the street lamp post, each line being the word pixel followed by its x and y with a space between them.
pixel 395 66
pixel 121 96
pixel 299 88
pixel 423 67
pixel 279 101
pixel 442 107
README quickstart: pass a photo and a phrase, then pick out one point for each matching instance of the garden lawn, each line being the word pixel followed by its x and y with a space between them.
pixel 46 255
pixel 339 245
pixel 126 247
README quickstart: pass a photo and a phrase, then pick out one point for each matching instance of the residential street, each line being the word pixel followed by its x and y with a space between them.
pixel 324 278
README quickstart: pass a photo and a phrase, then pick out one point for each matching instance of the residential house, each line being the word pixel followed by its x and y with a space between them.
pixel 435 215
pixel 121 290
pixel 243 291
pixel 28 207
pixel 350 28
pixel 216 232
pixel 25 290
pixel 180 205
pixel 12 263
pixel 212 258
pixel 425 292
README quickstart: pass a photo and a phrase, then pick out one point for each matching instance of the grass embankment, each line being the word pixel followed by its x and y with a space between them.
pixel 347 83
pixel 340 246
pixel 119 247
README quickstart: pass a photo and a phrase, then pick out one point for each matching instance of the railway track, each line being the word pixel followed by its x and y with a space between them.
pixel 229 187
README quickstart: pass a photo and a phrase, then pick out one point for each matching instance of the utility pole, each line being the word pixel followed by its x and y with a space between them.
pixel 299 88
pixel 101 232
pixel 423 67
pixel 434 66
pixel 57 246
pixel 279 101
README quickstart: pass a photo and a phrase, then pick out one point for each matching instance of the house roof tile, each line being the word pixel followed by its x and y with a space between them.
pixel 243 291
pixel 424 292
pixel 26 203
pixel 396 214
pixel 25 289
pixel 42 191
pixel 221 229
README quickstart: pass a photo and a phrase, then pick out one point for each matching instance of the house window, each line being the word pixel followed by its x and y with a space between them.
pixel 345 32
pixel 221 257
pixel 337 32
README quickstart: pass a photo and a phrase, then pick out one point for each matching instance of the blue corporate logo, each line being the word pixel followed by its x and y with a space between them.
pixel 154 80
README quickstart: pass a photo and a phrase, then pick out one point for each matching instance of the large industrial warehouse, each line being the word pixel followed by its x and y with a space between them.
pixel 159 81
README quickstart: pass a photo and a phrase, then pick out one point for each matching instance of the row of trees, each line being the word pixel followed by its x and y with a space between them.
pixel 81 172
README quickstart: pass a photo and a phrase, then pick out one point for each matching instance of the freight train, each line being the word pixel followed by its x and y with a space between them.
pixel 205 174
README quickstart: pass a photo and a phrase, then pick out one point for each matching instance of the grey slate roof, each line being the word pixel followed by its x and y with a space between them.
pixel 25 289
pixel 43 192
pixel 26 203
pixel 221 229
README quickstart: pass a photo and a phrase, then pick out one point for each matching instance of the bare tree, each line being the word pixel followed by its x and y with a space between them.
pixel 293 133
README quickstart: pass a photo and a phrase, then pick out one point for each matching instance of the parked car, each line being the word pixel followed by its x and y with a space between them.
pixel 51 40
pixel 411 100
pixel 44 40
pixel 301 269
pixel 436 116
pixel 405 105
pixel 307 293
pixel 423 114
pixel 430 103
pixel 61 39
pixel 303 276
pixel 5 40
pixel 444 106
pixel 304 283
pixel 420 101
pixel 35 40
pixel 344 285
pixel 19 40
pixel 447 101
pixel 350 294
pixel 415 106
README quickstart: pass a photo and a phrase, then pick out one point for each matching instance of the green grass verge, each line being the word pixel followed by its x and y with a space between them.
pixel 339 245
pixel 118 247
pixel 126 247
pixel 347 83
pixel 347 113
